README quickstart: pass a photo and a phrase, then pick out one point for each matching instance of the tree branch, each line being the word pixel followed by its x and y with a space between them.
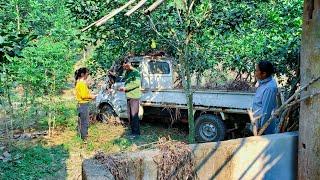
pixel 282 118
pixel 303 99
pixel 159 34
pixel 179 16
pixel 113 13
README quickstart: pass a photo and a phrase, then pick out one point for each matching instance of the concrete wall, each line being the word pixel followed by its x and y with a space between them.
pixel 264 157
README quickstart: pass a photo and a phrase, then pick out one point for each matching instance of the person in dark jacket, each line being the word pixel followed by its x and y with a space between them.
pixel 132 89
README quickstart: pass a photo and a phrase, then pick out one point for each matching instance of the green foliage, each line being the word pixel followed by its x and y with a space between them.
pixel 244 33
pixel 22 21
pixel 118 37
pixel 44 67
pixel 35 162
pixel 12 38
pixel 236 34
pixel 49 55
pixel 38 48
pixel 65 113
pixel 39 40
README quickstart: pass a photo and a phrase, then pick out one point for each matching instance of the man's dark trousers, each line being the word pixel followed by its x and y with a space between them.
pixel 133 115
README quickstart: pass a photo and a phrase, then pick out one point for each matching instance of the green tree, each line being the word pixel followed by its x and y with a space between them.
pixel 234 34
pixel 38 47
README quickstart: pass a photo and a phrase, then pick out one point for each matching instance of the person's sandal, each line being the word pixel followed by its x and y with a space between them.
pixel 85 141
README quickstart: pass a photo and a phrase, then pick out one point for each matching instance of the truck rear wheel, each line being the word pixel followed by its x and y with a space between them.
pixel 106 114
pixel 209 128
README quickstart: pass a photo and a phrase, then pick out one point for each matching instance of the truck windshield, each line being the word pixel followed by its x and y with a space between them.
pixel 159 67
pixel 136 65
pixel 120 71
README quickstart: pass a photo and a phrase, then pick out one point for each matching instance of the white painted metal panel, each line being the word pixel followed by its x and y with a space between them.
pixel 210 100
pixel 235 100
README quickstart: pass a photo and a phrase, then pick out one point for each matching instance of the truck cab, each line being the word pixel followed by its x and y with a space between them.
pixel 156 71
pixel 156 74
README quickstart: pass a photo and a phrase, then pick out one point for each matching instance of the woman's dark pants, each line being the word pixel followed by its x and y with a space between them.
pixel 83 120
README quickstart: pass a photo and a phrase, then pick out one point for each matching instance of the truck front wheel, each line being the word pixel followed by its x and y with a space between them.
pixel 107 114
pixel 209 128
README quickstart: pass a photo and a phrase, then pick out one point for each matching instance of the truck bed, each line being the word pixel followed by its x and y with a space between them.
pixel 222 100
pixel 208 100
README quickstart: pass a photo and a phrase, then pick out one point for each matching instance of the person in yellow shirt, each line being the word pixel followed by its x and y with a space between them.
pixel 83 96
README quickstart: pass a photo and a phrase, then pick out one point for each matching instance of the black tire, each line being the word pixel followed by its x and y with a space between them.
pixel 106 113
pixel 209 128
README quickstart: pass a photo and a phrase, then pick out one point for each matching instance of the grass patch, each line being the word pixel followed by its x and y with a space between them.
pixel 49 157
pixel 34 162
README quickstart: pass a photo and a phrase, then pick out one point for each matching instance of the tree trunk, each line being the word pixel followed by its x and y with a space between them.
pixel 189 91
pixel 309 124
pixel 186 82
pixel 189 95
pixel 198 80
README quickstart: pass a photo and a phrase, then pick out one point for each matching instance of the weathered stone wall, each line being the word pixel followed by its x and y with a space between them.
pixel 260 157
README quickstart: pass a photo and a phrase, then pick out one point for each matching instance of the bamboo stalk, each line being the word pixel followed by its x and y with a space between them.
pixel 18 17
pixel 190 7
pixel 304 98
pixel 108 16
pixel 282 118
pixel 113 13
pixel 153 6
pixel 253 122
pixel 136 7
pixel 283 126
pixel 84 29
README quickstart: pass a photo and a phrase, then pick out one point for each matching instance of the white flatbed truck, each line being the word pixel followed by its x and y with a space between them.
pixel 215 112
